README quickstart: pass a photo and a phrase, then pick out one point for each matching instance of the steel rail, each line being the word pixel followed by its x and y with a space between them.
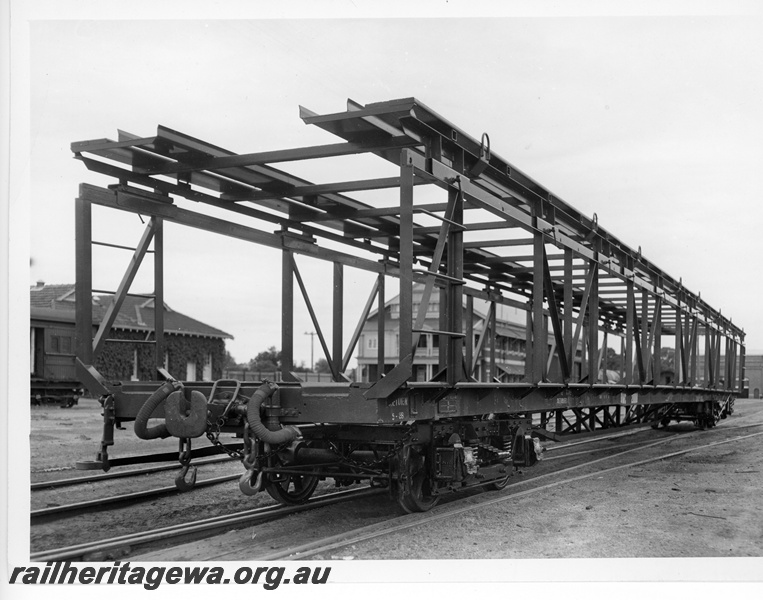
pixel 593 450
pixel 52 512
pixel 44 485
pixel 196 527
pixel 593 438
pixel 369 532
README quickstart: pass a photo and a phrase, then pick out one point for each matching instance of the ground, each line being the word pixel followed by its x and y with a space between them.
pixel 702 504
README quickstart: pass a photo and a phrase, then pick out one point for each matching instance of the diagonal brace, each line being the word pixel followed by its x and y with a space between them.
pixel 116 303
pixel 314 318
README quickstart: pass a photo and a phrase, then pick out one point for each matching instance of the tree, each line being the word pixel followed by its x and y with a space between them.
pixel 229 362
pixel 322 366
pixel 668 359
pixel 268 360
pixel 613 360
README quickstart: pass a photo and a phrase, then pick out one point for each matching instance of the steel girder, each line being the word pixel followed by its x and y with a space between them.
pixel 499 237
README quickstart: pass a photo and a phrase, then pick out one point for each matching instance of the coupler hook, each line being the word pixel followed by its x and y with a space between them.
pixel 250 482
pixel 181 483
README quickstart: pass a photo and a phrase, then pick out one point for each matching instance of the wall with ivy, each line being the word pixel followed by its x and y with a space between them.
pixel 116 360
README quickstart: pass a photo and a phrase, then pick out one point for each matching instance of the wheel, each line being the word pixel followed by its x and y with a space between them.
pixel 414 486
pixel 290 489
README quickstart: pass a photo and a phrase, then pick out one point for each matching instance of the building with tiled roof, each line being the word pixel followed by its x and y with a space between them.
pixel 194 350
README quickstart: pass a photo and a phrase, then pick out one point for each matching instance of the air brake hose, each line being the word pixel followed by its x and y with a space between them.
pixel 142 430
pixel 286 434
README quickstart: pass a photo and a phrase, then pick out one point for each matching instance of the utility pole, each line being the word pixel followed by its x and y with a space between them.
pixel 312 345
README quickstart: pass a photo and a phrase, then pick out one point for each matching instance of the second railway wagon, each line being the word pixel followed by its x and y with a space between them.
pixel 488 234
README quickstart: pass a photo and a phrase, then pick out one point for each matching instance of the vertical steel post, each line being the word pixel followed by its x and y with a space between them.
pixel 159 292
pixel 443 320
pixel 693 373
pixel 469 340
pixel 337 333
pixel 708 358
pixel 287 315
pixel 568 301
pixel 406 255
pixel 380 330
pixel 657 329
pixel 645 336
pixel 84 283
pixel 630 319
pixel 679 352
pixel 717 359
pixel 493 342
pixel 741 365
pixel 593 323
pixel 687 344
pixel 529 342
pixel 728 363
pixel 455 356
pixel 539 341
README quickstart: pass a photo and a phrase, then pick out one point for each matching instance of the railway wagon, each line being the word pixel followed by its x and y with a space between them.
pixel 454 217
pixel 52 370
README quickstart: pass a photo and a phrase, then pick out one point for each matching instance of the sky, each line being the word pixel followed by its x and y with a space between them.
pixel 652 123
pixel 647 114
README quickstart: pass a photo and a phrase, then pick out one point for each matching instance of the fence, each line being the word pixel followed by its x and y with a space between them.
pixel 247 375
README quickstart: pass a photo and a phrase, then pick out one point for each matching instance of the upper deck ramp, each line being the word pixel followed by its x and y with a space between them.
pixel 497 235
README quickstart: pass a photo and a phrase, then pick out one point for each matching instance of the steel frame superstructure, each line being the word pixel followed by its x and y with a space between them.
pixel 497 237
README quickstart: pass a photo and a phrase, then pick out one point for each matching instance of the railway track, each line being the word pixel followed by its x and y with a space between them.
pixel 455 506
pixel 203 527
pixel 75 508
pixel 458 507
pixel 51 513
pixel 56 483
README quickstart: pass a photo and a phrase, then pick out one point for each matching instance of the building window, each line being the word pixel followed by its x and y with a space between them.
pixel 207 372
pixel 190 370
pixel 135 365
pixel 373 343
pixel 60 344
